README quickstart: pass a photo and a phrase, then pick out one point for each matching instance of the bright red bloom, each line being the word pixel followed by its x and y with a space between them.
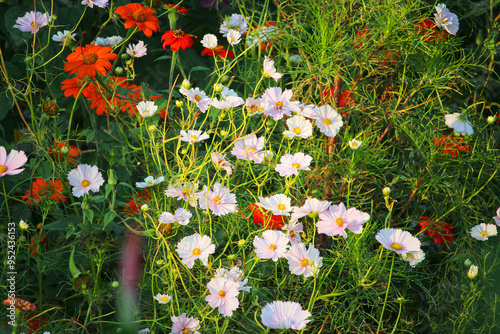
pixel 33 322
pixel 218 51
pixel 430 31
pixel 90 60
pixel 452 145
pixel 19 303
pixel 269 221
pixel 72 87
pixel 177 39
pixel 441 231
pixel 41 190
pixel 359 38
pixel 177 9
pixel 142 17
pixel 133 205
pixel 57 151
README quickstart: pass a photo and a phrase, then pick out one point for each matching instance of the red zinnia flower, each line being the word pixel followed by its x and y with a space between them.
pixel 89 60
pixel 177 9
pixel 132 206
pixel 58 149
pixel 177 39
pixel 73 86
pixel 430 31
pixel 441 231
pixel 451 144
pixel 219 51
pixel 269 221
pixel 41 190
pixel 137 15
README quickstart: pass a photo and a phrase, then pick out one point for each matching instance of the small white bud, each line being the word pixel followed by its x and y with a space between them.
pixel 472 271
pixel 386 191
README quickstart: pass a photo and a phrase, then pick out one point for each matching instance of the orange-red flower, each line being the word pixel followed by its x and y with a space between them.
pixel 177 9
pixel 19 303
pixel 137 15
pixel 89 60
pixel 267 220
pixel 218 51
pixel 177 39
pixel 430 31
pixel 441 231
pixel 41 190
pixel 452 145
pixel 133 205
pixel 59 151
pixel 73 86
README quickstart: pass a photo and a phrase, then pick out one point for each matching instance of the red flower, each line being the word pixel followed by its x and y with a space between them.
pixel 41 190
pixel 218 51
pixel 345 98
pixel 73 86
pixel 451 144
pixel 19 303
pixel 359 38
pixel 57 151
pixel 266 220
pixel 36 240
pixel 177 39
pixel 441 231
pixel 90 60
pixel 430 31
pixel 133 205
pixel 177 9
pixel 142 17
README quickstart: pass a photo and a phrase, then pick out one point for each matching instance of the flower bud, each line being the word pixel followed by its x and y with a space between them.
pixel 115 284
pixel 50 108
pixel 241 242
pixel 223 133
pixel 144 207
pixel 218 88
pixel 186 84
pixel 225 78
pixel 467 263
pixel 184 151
pixel 386 191
pixel 472 271
pixel 23 225
pixel 118 70
pixel 231 257
pixel 179 103
pixel 111 176
pixel 160 262
pixel 152 128
pixel 490 119
pixel 124 56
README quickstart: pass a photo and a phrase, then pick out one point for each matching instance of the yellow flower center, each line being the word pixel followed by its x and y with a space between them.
pixel 396 246
pixel 272 247
pixel 3 168
pixel 340 221
pixel 327 121
pixel 354 144
pixel 186 331
pixel 409 255
pixel 196 251
pixel 279 104
pixel 89 58
pixel 251 150
pixel 292 233
pixel 297 131
pixel 185 191
pixel 304 262
pixel 178 33
pixel 193 137
pixel 139 16
pixel 296 165
pixel 281 207
pixel 149 182
pixel 85 183
pixel 197 98
pixel 484 233
pixel 222 293
pixel 217 199
pixel 164 299
pixel 34 25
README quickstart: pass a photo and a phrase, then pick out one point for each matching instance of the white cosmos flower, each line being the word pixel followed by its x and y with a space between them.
pixel 279 204
pixel 285 315
pixel 302 261
pixel 85 178
pixel 280 102
pixel 209 41
pixel 293 231
pixel 108 41
pixel 413 258
pixel 223 295
pixel 195 247
pixel 147 108
pixel 355 144
pixel 221 201
pixel 234 275
pixel 184 325
pixel 137 50
pixel 398 240
pixel 199 97
pixel 483 231
pixel 308 110
pixel 233 37
pixel 273 245
pixel 234 22
pixel 250 148
pixel 219 160
pixel 328 121
pixel 166 218
pixel 256 106
pixel 193 136
pixel 187 191
pixel 298 126
pixel 162 298
pixel 269 71
pixel 182 216
pixel 459 123
pixel 446 19
pixel 229 103
pixel 337 219
pixel 312 207
pixel 64 37
pixel 149 182
pixel 291 164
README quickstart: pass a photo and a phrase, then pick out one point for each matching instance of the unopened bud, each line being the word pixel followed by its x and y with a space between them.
pixel 490 119
pixel 144 207
pixel 115 284
pixel 186 84
pixel 386 191
pixel 184 151
pixel 218 88
pixel 23 225
pixel 467 263
pixel 111 176
pixel 472 273
pixel 152 128
pixel 223 133
pixel 118 70
pixel 242 242
pixel 179 103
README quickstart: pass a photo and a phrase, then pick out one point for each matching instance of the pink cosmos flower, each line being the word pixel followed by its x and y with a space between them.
pixel 256 106
pixel 446 19
pixel 293 231
pixel 279 204
pixel 223 295
pixel 269 71
pixel 398 240
pixel 312 207
pixel 32 22
pixel 195 247
pixel 184 325
pixel 328 121
pixel 250 148
pixel 220 201
pixel 98 3
pixel 308 111
pixel 187 192
pixel 280 103
pixel 234 275
pixel 199 97
pixel 273 245
pixel 85 178
pixel 9 164
pixel 182 216
pixel 302 261
pixel 497 218
pixel 291 164
pixel 193 136
pixel 229 102
pixel 284 315
pixel 337 219
pixel 137 50
pixel 219 160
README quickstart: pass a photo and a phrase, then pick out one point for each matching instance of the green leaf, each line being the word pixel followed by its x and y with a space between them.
pixel 199 68
pixel 58 225
pixel 45 170
pixel 72 268
pixel 108 187
pixel 163 57
pixel 98 199
pixel 108 218
pixel 89 214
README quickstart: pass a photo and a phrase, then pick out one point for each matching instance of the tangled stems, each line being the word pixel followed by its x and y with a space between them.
pixel 386 294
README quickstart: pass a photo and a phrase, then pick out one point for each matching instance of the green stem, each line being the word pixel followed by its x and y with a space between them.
pixel 386 295
pixel 5 196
